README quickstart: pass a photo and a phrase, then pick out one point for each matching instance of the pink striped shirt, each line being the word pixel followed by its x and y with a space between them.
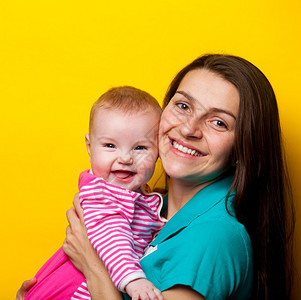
pixel 120 225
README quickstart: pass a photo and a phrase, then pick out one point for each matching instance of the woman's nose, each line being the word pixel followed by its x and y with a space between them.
pixel 192 128
pixel 125 158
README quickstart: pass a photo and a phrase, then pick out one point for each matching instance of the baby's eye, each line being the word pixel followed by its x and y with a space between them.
pixel 111 146
pixel 182 106
pixel 140 148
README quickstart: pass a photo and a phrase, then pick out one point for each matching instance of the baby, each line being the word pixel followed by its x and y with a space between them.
pixel 120 214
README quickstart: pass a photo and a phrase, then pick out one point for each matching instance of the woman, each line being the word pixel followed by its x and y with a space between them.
pixel 227 235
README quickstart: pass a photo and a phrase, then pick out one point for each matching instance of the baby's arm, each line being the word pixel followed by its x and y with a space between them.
pixel 108 215
pixel 139 288
pixel 143 289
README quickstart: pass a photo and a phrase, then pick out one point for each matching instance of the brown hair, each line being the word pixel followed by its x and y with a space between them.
pixel 127 99
pixel 263 199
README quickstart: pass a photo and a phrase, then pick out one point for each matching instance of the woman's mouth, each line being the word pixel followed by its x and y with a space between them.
pixel 185 149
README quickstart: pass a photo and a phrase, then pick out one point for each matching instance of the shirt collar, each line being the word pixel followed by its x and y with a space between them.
pixel 196 206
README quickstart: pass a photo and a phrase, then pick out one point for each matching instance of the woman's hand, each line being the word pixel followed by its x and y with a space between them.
pixel 83 256
pixel 76 245
pixel 26 286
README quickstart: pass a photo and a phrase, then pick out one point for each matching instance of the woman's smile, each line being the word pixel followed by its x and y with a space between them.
pixel 182 147
pixel 197 127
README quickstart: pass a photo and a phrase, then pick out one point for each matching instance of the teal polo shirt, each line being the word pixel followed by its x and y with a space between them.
pixel 204 247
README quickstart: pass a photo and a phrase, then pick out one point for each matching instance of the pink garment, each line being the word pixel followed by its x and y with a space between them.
pixel 57 279
pixel 120 224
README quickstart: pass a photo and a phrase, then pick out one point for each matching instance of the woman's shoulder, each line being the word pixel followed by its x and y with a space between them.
pixel 223 230
pixel 221 239
pixel 221 249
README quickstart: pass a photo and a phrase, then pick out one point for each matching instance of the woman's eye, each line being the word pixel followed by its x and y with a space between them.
pixel 182 106
pixel 140 148
pixel 111 146
pixel 219 123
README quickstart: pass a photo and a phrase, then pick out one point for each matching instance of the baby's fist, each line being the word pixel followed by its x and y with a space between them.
pixel 142 289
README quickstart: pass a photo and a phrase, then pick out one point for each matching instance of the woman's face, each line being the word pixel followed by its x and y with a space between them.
pixel 197 127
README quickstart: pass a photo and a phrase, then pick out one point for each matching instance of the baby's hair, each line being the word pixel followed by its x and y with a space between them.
pixel 127 99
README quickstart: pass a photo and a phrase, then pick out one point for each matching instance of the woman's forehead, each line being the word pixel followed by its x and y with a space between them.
pixel 206 90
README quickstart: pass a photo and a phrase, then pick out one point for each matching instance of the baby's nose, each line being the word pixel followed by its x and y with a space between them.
pixel 125 158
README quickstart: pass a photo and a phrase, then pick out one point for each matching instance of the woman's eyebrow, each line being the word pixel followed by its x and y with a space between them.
pixel 189 97
pixel 223 111
pixel 210 110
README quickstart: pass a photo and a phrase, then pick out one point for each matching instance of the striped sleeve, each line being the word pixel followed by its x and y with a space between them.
pixel 108 213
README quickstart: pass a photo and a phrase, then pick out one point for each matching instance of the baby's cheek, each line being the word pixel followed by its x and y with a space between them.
pixel 100 169
pixel 149 169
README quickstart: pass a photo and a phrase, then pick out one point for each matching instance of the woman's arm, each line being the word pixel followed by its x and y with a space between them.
pixel 85 259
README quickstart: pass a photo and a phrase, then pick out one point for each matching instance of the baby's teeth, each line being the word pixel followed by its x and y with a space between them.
pixel 180 148
pixel 185 149
pixel 192 152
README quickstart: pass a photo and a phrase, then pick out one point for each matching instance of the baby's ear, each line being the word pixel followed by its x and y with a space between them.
pixel 87 140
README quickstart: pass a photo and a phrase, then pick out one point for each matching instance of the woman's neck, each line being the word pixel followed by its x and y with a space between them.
pixel 180 192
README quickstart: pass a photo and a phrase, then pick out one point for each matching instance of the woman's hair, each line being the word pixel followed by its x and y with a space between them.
pixel 263 199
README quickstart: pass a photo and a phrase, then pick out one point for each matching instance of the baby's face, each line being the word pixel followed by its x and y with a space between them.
pixel 123 147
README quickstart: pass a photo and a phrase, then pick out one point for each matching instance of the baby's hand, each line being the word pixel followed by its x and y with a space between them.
pixel 142 289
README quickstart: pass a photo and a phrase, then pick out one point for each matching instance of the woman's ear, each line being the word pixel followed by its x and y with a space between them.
pixel 88 144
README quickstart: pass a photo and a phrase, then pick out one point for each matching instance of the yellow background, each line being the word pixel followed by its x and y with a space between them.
pixel 57 57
